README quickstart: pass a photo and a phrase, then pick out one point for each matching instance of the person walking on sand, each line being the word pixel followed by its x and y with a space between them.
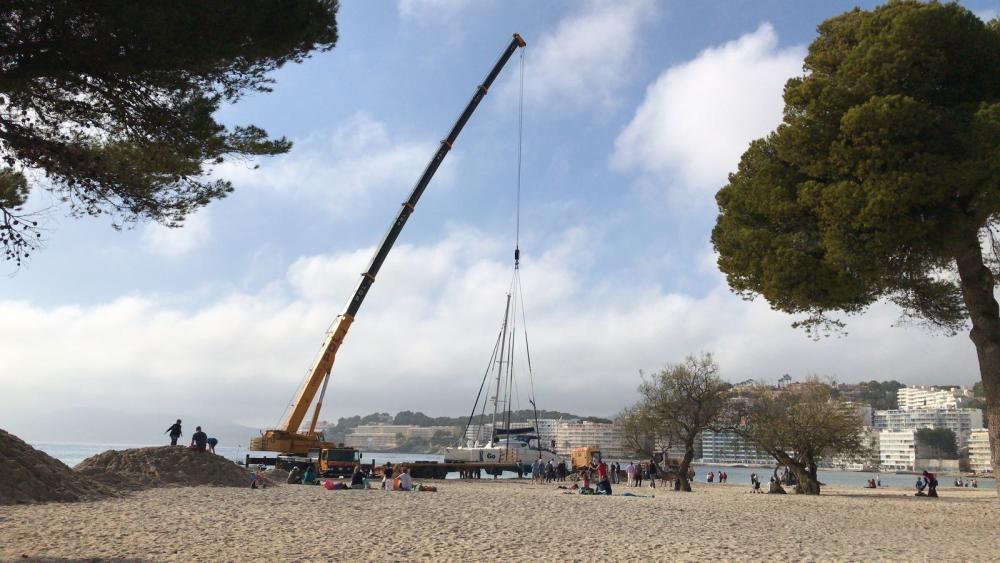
pixel 652 474
pixel 174 431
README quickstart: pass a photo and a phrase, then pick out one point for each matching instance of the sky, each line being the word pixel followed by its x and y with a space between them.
pixel 634 113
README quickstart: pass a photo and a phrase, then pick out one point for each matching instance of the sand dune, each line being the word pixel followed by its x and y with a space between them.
pixel 506 521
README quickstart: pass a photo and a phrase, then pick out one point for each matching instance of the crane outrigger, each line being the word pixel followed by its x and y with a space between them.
pixel 288 438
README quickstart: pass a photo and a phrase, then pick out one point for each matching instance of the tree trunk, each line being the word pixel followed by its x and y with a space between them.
pixel 808 478
pixel 805 473
pixel 977 289
pixel 686 464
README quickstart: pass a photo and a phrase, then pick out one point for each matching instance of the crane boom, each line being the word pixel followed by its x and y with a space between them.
pixel 286 437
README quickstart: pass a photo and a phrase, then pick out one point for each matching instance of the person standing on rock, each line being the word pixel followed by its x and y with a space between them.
pixel 199 440
pixel 174 431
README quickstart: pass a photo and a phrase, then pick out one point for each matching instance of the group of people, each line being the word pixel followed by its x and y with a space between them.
pixel 723 477
pixel 542 472
pixel 959 482
pixel 927 485
pixel 636 473
pixel 199 440
pixel 396 479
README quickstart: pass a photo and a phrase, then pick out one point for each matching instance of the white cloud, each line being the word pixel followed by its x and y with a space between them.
pixel 587 59
pixel 339 169
pixel 423 338
pixel 699 117
pixel 176 242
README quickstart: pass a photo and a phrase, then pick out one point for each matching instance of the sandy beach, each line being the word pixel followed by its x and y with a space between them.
pixel 506 521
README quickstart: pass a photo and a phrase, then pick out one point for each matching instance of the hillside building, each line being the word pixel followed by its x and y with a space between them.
pixel 959 421
pixel 381 437
pixel 980 459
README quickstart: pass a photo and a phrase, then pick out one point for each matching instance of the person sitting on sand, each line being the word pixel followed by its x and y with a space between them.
pixel 405 481
pixel 358 479
pixel 387 476
pixel 175 432
pixel 212 442
pixel 200 440
pixel 921 485
pixel 295 476
pixel 309 476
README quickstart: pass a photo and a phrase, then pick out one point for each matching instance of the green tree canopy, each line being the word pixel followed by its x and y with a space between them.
pixel 936 443
pixel 110 104
pixel 882 181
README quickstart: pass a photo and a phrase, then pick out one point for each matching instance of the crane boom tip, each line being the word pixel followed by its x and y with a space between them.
pixel 519 40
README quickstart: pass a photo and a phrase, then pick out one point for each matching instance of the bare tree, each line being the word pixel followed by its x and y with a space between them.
pixel 678 404
pixel 799 425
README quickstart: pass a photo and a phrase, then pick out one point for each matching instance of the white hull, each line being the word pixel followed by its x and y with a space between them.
pixel 517 451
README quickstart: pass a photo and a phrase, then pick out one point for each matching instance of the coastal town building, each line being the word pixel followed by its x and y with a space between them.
pixel 927 397
pixel 959 421
pixel 897 450
pixel 381 437
pixel 571 434
pixel 728 448
pixel 980 460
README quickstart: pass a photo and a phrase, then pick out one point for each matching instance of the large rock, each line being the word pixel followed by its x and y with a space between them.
pixel 28 476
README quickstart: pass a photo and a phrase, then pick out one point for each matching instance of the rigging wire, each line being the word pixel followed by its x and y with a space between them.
pixel 482 415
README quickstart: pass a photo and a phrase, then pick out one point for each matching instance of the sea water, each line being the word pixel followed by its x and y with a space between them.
pixel 73 453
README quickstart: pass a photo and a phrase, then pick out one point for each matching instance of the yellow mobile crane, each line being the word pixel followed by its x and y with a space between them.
pixel 288 438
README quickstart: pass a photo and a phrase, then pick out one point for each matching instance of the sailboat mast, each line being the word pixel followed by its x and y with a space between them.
pixel 503 343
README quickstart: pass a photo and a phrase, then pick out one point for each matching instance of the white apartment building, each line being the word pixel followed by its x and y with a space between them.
pixel 926 397
pixel 728 448
pixel 897 450
pixel 571 434
pixel 379 437
pixel 959 421
pixel 979 451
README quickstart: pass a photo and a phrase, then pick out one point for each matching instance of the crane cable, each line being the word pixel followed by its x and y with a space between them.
pixel 516 287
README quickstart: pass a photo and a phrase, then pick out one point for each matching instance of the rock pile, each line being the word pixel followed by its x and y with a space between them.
pixel 144 468
pixel 28 476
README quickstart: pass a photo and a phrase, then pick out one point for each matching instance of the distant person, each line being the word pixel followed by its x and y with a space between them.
pixel 309 476
pixel 652 474
pixel 932 483
pixel 921 485
pixel 174 431
pixel 200 440
pixel 387 476
pixel 630 473
pixel 295 476
pixel 405 481
pixel 212 442
pixel 358 479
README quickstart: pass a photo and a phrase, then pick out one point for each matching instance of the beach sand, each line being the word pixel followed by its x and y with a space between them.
pixel 507 521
